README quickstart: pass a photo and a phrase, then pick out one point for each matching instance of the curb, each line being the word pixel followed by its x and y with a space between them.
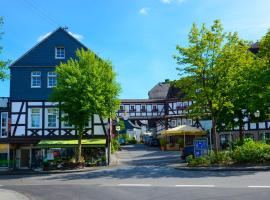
pixel 267 168
pixel 31 172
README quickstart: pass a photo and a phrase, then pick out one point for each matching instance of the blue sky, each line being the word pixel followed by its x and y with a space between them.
pixel 138 36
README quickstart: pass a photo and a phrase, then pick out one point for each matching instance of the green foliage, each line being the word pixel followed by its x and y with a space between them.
pixel 221 158
pixel 180 141
pixel 236 144
pixel 251 152
pixel 86 86
pixel 132 141
pixel 217 72
pixel 121 123
pixel 124 136
pixel 203 161
pixel 3 64
pixel 115 146
pixel 162 142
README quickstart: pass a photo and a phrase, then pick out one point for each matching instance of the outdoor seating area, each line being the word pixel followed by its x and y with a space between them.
pixel 175 139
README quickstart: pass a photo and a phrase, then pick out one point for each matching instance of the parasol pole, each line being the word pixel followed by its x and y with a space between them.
pixel 184 139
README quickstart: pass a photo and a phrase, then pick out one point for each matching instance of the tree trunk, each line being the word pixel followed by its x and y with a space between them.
pixel 214 134
pixel 80 134
pixel 241 132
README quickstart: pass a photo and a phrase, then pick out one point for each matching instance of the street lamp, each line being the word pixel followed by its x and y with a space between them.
pixel 257 115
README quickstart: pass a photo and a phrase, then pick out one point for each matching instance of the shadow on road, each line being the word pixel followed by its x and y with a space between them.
pixel 148 172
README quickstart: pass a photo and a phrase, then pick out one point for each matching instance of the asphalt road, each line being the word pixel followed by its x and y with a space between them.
pixel 143 173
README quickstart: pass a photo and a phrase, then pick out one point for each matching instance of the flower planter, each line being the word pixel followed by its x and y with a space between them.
pixel 162 148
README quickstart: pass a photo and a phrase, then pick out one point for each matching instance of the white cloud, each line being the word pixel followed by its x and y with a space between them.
pixel 172 1
pixel 166 1
pixel 76 35
pixel 143 11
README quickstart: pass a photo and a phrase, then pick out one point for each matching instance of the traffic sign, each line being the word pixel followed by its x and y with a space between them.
pixel 200 147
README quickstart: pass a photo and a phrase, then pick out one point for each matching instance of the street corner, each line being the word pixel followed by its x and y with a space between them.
pixel 12 195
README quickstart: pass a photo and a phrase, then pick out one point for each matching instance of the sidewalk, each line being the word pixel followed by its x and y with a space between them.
pixel 183 166
pixel 11 195
pixel 60 171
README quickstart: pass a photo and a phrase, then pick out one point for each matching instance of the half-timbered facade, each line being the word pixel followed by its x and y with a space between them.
pixel 33 118
pixel 165 108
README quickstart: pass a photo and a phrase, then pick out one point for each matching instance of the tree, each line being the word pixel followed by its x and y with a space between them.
pixel 249 87
pixel 86 86
pixel 263 71
pixel 3 64
pixel 121 123
pixel 210 68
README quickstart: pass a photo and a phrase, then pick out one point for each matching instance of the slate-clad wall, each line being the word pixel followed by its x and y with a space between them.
pixel 20 84
pixel 44 53
pixel 40 58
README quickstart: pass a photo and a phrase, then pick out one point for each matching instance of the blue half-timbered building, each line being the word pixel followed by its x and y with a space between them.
pixel 35 128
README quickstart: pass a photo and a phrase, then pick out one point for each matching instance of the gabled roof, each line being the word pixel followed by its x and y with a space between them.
pixel 254 48
pixel 164 90
pixel 42 54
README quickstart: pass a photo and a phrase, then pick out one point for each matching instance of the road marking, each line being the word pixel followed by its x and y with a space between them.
pixel 135 185
pixel 194 185
pixel 259 186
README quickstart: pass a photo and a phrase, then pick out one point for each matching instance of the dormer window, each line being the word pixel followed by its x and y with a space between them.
pixel 52 79
pixel 35 79
pixel 59 53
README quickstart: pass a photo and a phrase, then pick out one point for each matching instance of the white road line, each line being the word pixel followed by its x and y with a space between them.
pixel 259 186
pixel 194 185
pixel 135 185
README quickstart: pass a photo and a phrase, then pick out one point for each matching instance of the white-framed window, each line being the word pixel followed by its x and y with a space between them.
pixel 143 107
pixel 65 123
pixel 121 107
pixel 173 123
pixel 51 80
pixel 4 124
pixel 36 79
pixel 59 52
pixel 35 118
pixel 51 118
pixel 154 108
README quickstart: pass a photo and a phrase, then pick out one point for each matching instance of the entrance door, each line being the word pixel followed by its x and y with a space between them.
pixel 25 158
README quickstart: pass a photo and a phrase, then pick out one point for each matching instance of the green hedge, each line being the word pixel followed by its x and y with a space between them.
pixel 115 146
pixel 251 152
pixel 248 153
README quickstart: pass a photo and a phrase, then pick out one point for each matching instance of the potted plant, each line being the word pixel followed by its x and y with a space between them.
pixel 103 160
pixel 180 142
pixel 162 143
pixel 45 165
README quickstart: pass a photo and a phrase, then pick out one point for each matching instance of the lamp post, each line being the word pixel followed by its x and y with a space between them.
pixel 257 115
pixel 108 141
pixel 236 120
